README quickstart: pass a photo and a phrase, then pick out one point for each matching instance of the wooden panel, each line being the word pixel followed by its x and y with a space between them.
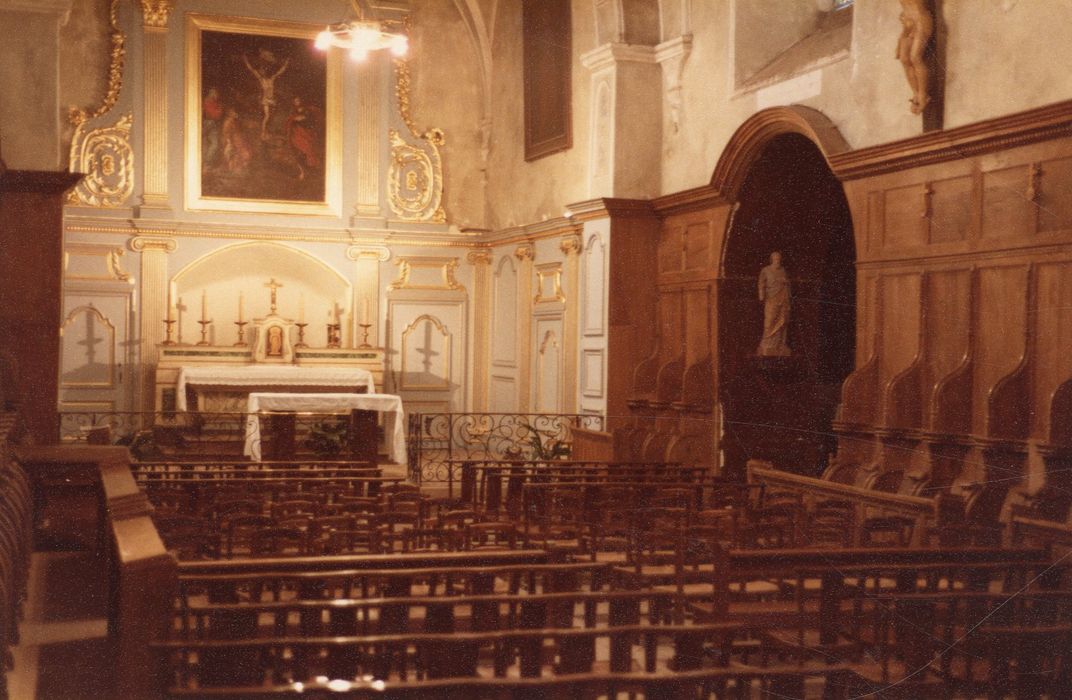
pixel 670 242
pixel 670 325
pixel 948 318
pixel 903 212
pixel 900 322
pixel 547 52
pixel 1000 331
pixel 504 314
pixel 594 306
pixel 698 246
pixel 951 207
pixel 697 325
pixel 1006 208
pixel 876 219
pixel 1055 197
pixel 1053 360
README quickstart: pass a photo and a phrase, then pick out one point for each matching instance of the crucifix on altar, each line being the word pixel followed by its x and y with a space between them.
pixel 273 285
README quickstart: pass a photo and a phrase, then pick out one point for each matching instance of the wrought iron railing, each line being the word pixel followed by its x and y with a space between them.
pixel 177 434
pixel 435 440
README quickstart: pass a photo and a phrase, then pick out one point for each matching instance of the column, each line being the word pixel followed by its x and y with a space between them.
pixel 524 254
pixel 369 137
pixel 367 261
pixel 481 262
pixel 570 245
pixel 152 306
pixel 154 51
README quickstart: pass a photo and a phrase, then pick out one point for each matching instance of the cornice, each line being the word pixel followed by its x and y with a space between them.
pixel 1023 128
pixel 702 197
pixel 672 48
pixel 612 54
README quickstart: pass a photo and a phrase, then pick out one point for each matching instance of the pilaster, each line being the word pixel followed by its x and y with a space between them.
pixel 481 262
pixel 570 245
pixel 367 261
pixel 153 303
pixel 524 254
pixel 369 136
pixel 154 174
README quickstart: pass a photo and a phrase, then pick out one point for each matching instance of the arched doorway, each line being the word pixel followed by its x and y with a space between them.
pixel 780 408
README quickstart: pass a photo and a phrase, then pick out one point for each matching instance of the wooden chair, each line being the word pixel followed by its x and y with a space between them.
pixel 278 541
pixel 887 531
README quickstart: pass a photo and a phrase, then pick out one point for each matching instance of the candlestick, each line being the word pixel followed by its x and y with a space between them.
pixel 168 323
pixel 240 305
pixel 204 331
pixel 241 332
pixel 301 334
pixel 364 341
pixel 364 310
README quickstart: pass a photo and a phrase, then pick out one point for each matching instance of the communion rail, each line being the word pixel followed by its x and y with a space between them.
pixel 436 441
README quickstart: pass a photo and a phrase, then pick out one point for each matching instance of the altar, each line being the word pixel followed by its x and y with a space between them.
pixel 387 404
pixel 249 378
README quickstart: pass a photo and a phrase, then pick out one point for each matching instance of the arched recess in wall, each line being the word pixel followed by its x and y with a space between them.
pixel 310 288
pixel 779 408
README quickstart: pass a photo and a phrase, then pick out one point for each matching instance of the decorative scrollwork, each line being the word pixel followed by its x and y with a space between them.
pixel 415 190
pixel 156 12
pixel 77 116
pixel 105 155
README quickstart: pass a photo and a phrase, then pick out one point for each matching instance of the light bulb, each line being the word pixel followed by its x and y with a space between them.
pixel 399 45
pixel 323 40
pixel 358 53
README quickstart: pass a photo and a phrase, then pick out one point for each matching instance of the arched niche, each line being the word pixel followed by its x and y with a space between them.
pixel 309 288
pixel 785 197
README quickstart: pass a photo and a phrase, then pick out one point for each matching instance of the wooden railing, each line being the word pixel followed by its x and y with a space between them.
pixel 142 575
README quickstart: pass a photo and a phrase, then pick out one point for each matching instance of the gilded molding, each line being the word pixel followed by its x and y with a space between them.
pixel 415 180
pixel 155 12
pixel 109 255
pixel 525 252
pixel 571 244
pixel 404 381
pixel 406 266
pixel 551 271
pixel 107 158
pixel 139 244
pixel 479 257
pixel 365 252
pixel 77 116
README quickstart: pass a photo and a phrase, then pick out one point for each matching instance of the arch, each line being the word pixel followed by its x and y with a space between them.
pixel 753 136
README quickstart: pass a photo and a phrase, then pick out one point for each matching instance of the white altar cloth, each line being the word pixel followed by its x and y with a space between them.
pixel 388 404
pixel 267 375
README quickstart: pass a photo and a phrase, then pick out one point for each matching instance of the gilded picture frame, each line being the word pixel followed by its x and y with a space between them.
pixel 262 118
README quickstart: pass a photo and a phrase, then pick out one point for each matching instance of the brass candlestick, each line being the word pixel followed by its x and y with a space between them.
pixel 168 323
pixel 364 340
pixel 301 335
pixel 334 335
pixel 204 331
pixel 241 332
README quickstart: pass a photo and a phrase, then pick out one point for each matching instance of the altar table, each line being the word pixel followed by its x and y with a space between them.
pixel 267 375
pixel 388 404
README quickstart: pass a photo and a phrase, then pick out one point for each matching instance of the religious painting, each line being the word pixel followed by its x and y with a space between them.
pixel 262 118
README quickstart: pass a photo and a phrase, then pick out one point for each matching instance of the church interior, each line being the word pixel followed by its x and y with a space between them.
pixel 535 349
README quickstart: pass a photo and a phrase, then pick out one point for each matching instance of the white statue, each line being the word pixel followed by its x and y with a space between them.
pixel 774 293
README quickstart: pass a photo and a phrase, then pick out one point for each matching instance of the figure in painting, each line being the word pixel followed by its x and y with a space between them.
pixel 236 149
pixel 774 293
pixel 266 79
pixel 917 27
pixel 211 116
pixel 275 342
pixel 303 136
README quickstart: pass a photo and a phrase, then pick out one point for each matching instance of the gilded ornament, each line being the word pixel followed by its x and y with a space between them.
pixel 77 116
pixel 479 257
pixel 446 267
pixel 156 12
pixel 525 252
pixel 106 157
pixel 415 190
pixel 570 244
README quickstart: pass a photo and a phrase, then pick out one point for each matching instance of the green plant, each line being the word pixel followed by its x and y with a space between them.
pixel 327 438
pixel 543 446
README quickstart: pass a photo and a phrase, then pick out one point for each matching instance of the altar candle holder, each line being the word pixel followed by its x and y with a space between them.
pixel 364 340
pixel 301 335
pixel 334 335
pixel 204 331
pixel 241 333
pixel 168 323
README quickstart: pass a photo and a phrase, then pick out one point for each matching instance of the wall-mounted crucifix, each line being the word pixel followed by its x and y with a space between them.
pixel 273 285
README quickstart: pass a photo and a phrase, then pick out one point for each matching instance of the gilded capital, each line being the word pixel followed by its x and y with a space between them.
pixel 525 252
pixel 479 257
pixel 570 244
pixel 365 252
pixel 156 12
pixel 140 244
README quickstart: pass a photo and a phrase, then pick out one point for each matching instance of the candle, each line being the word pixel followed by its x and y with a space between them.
pixel 301 308
pixel 240 304
pixel 364 311
pixel 170 301
pixel 204 305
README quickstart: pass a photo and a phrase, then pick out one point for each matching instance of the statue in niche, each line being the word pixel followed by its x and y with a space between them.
pixel 275 342
pixel 774 293
pixel 917 27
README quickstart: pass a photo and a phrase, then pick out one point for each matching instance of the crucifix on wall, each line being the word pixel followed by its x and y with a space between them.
pixel 273 285
pixel 426 352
